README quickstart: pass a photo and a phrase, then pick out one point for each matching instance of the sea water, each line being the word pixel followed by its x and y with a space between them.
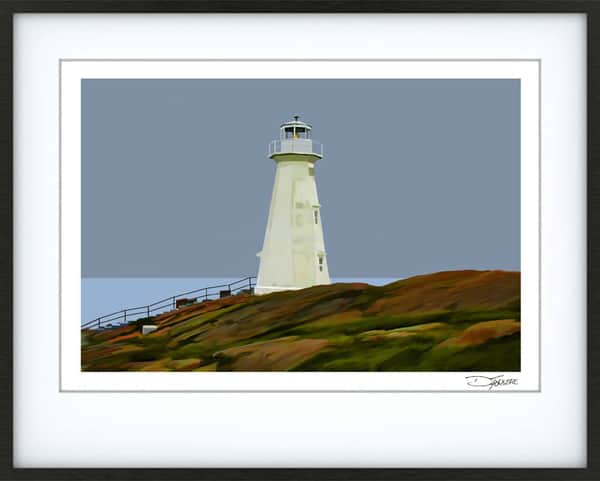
pixel 102 296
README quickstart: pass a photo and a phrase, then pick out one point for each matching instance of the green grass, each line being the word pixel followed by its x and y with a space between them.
pixel 502 354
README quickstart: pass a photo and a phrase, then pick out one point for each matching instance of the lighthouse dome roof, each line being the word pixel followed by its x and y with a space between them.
pixel 296 123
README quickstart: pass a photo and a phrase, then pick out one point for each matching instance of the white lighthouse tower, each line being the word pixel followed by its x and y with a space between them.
pixel 293 254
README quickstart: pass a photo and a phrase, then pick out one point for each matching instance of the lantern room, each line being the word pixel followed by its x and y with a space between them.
pixel 295 129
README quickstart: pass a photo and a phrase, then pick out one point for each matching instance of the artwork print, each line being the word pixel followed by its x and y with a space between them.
pixel 336 225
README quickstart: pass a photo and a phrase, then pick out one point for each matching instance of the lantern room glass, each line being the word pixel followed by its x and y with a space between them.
pixel 295 132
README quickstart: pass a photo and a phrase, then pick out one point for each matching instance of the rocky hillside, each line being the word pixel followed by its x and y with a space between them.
pixel 447 321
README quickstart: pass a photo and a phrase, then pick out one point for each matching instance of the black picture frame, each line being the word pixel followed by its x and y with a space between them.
pixel 589 7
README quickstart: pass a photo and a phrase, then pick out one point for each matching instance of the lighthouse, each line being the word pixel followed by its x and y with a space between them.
pixel 293 254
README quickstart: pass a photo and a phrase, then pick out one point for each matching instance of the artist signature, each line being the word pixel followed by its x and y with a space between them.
pixel 491 382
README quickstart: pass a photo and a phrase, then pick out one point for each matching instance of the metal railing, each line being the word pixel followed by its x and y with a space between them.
pixel 134 314
pixel 295 146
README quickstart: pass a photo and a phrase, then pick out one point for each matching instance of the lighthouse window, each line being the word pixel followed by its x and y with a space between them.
pixel 289 132
pixel 301 133
pixel 316 212
pixel 321 263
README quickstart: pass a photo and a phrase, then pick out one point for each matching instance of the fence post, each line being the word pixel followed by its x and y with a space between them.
pixel 250 285
pixel 173 303
pixel 148 312
pixel 206 293
pixel 98 323
pixel 125 316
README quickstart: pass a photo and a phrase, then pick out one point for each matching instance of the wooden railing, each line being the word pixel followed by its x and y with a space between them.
pixel 135 314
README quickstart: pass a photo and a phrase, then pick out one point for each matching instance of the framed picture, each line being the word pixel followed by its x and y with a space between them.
pixel 460 326
pixel 299 236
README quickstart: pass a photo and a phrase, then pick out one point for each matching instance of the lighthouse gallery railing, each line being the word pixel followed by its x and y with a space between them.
pixel 134 314
pixel 295 146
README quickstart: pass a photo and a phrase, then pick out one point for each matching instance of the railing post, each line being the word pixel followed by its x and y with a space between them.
pixel 125 315
pixel 206 293
pixel 250 285
pixel 98 323
pixel 173 303
pixel 148 312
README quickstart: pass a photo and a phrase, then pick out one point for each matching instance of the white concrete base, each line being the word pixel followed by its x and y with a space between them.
pixel 147 329
pixel 259 290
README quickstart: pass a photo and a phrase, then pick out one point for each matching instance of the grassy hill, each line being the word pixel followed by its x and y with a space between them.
pixel 447 321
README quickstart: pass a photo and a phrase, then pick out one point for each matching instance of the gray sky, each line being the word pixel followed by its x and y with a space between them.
pixel 418 175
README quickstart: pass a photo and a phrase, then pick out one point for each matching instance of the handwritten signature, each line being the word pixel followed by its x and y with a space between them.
pixel 491 382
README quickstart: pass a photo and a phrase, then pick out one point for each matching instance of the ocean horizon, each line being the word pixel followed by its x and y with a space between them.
pixel 103 295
